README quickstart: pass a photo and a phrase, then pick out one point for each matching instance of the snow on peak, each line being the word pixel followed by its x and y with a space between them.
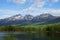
pixel 46 15
pixel 16 17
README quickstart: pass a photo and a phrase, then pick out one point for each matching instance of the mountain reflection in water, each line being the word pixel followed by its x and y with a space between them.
pixel 29 36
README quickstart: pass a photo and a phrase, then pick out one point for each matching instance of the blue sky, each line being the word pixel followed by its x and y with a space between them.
pixel 33 7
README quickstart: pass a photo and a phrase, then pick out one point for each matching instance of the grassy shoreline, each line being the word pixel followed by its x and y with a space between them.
pixel 46 28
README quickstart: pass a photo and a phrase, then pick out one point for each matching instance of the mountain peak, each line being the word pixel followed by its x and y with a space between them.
pixel 46 15
pixel 28 17
pixel 15 17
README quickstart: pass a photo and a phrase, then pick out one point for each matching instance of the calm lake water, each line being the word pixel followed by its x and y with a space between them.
pixel 29 36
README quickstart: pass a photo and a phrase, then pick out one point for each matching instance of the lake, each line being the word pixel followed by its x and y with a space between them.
pixel 29 36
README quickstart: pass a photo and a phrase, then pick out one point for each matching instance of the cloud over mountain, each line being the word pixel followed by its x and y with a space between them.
pixel 34 7
pixel 17 1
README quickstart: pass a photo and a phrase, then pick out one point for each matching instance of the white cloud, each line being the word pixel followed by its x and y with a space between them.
pixel 30 10
pixel 55 12
pixel 4 16
pixel 55 1
pixel 35 9
pixel 17 1
pixel 39 3
pixel 7 13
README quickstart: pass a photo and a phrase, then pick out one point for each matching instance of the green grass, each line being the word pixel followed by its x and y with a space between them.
pixel 32 27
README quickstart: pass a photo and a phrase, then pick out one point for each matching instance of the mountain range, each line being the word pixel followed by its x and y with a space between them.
pixel 29 19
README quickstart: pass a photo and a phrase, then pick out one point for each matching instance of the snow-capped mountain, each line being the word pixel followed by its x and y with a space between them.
pixel 27 19
pixel 43 17
pixel 15 17
pixel 46 15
